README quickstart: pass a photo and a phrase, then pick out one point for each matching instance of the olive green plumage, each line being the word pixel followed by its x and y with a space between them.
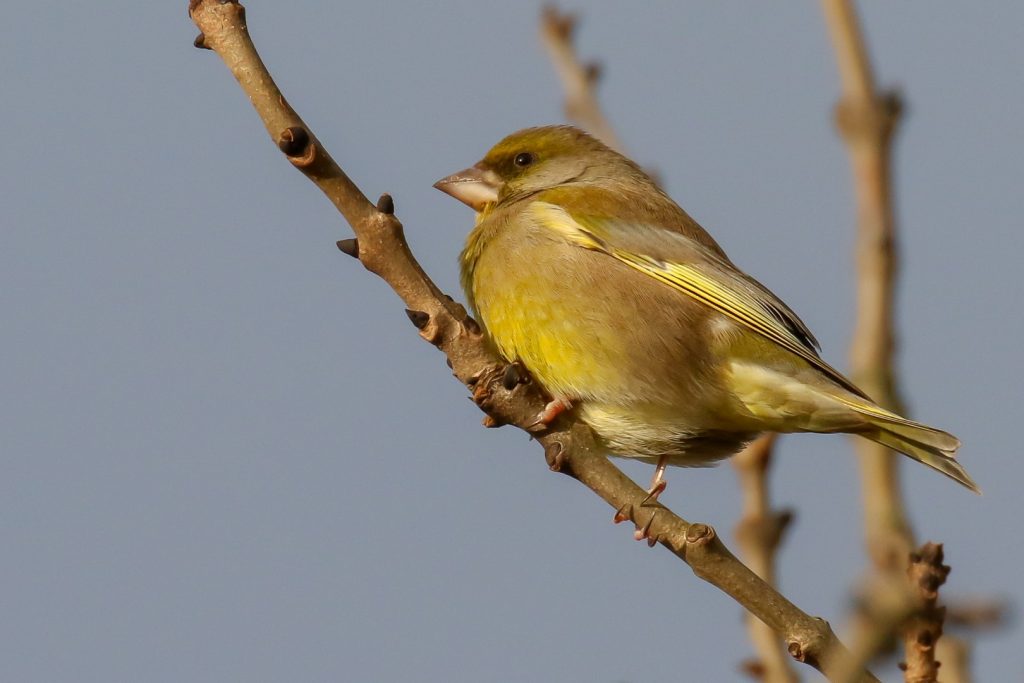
pixel 614 299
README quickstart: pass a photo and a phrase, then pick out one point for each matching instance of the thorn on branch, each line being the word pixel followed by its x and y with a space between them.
pixel 471 326
pixel 200 42
pixel 386 204
pixel 592 72
pixel 293 141
pixel 418 318
pixel 349 246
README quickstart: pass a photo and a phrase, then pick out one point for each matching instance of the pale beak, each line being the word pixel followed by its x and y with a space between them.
pixel 476 187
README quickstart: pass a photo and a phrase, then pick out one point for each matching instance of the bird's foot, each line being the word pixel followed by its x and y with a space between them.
pixel 643 531
pixel 658 483
pixel 552 410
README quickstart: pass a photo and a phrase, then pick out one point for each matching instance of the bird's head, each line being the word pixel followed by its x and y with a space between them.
pixel 532 160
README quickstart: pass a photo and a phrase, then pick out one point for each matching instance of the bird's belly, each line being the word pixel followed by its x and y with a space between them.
pixel 649 432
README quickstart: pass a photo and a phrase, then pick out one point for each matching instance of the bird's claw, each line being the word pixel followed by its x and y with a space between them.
pixel 622 514
pixel 644 533
pixel 652 494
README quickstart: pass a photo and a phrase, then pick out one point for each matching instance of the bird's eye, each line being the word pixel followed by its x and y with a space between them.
pixel 523 159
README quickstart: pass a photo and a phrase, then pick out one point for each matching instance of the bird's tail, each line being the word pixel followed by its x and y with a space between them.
pixel 925 444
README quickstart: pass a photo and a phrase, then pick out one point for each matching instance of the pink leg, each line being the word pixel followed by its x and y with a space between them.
pixel 658 485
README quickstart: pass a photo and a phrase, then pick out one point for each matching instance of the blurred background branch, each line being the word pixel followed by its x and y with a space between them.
pixel 579 79
pixel 866 120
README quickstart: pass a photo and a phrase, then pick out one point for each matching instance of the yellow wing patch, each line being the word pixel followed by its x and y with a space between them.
pixel 557 219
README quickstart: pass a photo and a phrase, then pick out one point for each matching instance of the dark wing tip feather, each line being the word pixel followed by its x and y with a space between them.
pixel 792 323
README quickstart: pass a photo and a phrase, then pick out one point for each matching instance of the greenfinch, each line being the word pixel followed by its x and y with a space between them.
pixel 581 269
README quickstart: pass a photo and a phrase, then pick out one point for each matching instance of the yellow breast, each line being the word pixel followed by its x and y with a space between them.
pixel 535 303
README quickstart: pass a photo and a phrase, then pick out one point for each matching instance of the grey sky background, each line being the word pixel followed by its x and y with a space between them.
pixel 225 453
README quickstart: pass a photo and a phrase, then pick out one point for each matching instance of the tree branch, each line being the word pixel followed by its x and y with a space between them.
pixel 569 446
pixel 920 635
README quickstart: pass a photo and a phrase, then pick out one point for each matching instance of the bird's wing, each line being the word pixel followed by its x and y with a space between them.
pixel 689 268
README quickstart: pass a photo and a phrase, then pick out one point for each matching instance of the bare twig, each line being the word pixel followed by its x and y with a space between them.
pixel 579 80
pixel 569 447
pixel 977 614
pixel 920 635
pixel 891 603
pixel 759 533
pixel 867 119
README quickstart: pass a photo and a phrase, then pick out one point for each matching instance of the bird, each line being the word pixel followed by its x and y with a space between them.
pixel 583 271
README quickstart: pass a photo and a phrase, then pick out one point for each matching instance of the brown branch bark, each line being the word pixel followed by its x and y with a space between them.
pixel 866 120
pixel 579 80
pixel 922 633
pixel 759 533
pixel 569 446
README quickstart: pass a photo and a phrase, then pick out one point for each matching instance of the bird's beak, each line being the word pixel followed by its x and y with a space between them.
pixel 476 187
